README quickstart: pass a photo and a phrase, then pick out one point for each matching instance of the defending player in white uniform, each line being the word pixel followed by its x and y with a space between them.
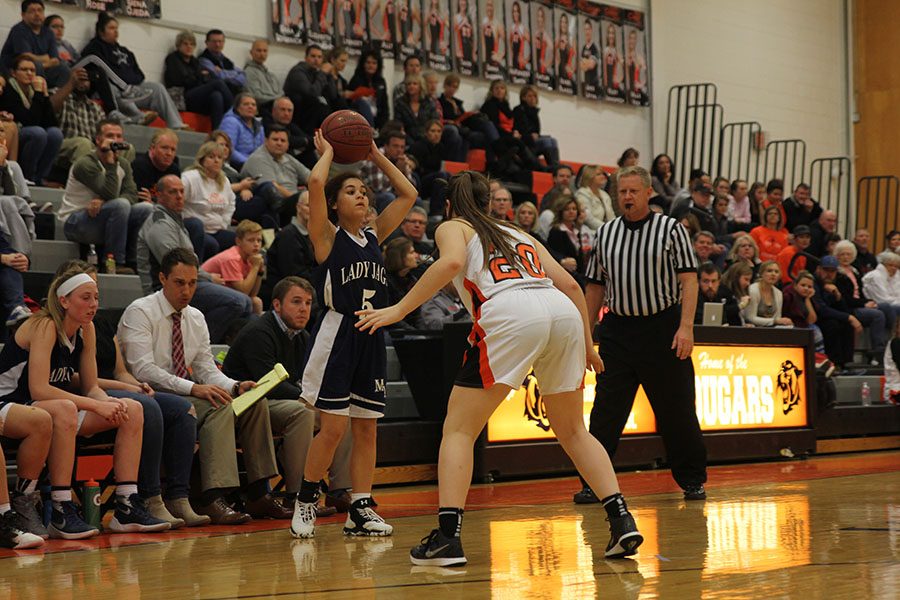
pixel 527 311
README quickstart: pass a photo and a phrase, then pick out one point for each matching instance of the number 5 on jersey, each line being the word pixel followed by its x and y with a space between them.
pixel 367 294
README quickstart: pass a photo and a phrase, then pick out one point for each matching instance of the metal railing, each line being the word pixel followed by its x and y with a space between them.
pixel 877 207
pixel 738 157
pixel 693 126
pixel 785 160
pixel 830 182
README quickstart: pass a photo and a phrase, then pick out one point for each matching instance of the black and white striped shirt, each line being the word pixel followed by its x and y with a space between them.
pixel 639 262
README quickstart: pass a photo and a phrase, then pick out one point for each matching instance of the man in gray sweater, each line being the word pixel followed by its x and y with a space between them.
pixel 262 83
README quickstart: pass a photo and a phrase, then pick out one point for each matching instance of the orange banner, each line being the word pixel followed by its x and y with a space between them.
pixel 737 387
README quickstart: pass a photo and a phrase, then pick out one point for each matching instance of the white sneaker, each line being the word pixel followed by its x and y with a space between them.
pixel 362 520
pixel 303 523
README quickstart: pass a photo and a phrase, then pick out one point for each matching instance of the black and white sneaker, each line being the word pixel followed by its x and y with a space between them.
pixel 11 536
pixel 585 496
pixel 303 523
pixel 362 520
pixel 132 516
pixel 695 492
pixel 437 550
pixel 67 524
pixel 624 537
pixel 26 507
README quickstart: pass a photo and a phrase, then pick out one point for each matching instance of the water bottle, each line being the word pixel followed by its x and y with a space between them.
pixel 865 394
pixel 92 255
pixel 90 502
pixel 110 264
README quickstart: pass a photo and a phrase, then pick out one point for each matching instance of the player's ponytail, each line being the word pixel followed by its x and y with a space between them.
pixel 470 195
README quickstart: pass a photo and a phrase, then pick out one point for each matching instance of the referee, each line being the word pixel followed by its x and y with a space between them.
pixel 643 266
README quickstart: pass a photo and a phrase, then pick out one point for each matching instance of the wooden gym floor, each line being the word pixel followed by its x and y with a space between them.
pixel 817 529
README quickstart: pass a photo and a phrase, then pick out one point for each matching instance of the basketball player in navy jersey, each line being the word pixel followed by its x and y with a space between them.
pixel 345 368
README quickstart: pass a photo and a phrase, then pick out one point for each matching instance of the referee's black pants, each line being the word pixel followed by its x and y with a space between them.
pixel 638 351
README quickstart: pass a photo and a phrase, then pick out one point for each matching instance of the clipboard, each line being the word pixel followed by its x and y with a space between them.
pixel 263 387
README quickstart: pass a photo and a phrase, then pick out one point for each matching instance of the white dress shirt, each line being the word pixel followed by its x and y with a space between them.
pixel 145 335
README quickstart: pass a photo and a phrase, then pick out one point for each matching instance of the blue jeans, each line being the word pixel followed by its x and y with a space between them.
pixel 195 231
pixel 455 147
pixel 547 146
pixel 875 320
pixel 212 98
pixel 434 189
pixel 365 109
pixel 38 147
pixel 265 205
pixel 220 305
pixel 115 227
pixel 170 431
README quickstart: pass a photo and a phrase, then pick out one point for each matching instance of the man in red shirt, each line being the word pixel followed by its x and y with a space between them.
pixel 798 245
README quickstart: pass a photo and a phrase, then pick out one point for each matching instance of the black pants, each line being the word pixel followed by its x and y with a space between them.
pixel 839 339
pixel 638 351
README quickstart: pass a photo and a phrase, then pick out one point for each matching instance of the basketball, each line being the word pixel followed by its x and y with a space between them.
pixel 350 135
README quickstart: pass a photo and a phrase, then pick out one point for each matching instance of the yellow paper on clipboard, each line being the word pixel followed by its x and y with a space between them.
pixel 263 387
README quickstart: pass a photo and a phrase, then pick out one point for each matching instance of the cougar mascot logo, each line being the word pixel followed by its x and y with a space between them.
pixel 534 404
pixel 788 381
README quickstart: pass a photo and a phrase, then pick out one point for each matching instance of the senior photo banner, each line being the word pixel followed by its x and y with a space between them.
pixel 612 63
pixel 409 29
pixel 436 26
pixel 637 75
pixel 518 21
pixel 351 25
pixel 492 39
pixel 566 25
pixel 465 42
pixel 320 23
pixel 383 27
pixel 288 25
pixel 542 34
pixel 589 49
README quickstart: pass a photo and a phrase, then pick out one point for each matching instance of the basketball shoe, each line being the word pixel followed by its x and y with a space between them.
pixel 303 523
pixel 11 536
pixel 438 550
pixel 131 516
pixel 364 521
pixel 67 524
pixel 624 537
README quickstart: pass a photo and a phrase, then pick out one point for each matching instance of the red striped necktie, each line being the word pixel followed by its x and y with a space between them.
pixel 178 347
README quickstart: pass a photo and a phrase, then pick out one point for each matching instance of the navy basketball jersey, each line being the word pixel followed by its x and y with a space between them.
pixel 64 361
pixel 353 276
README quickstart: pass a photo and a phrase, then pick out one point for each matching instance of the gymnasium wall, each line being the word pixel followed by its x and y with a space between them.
pixel 792 81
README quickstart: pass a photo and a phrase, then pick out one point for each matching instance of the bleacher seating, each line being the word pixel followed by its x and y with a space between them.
pixel 188 141
pixel 118 291
pixel 47 255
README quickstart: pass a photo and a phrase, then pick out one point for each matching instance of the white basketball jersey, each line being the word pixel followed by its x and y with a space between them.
pixel 478 283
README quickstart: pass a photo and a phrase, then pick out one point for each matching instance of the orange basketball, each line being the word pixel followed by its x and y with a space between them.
pixel 350 135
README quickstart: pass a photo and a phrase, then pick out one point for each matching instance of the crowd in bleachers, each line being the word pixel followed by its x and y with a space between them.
pixel 770 261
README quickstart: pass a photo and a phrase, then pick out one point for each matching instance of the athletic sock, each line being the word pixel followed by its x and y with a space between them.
pixel 60 493
pixel 257 489
pixel 26 486
pixel 309 492
pixel 450 521
pixel 5 508
pixel 354 496
pixel 615 505
pixel 125 489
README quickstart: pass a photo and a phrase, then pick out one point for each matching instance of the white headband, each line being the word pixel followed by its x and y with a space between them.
pixel 73 282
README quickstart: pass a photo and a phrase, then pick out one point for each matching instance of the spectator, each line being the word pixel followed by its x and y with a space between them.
pixel 414 109
pixel 413 229
pixel 737 279
pixel 893 241
pixel 282 114
pixel 428 153
pixel 204 91
pixel 377 183
pixel 161 159
pixel 739 206
pixel 100 205
pixel 242 266
pixel 412 67
pixel 690 222
pixel 501 204
pixel 165 230
pixel 307 87
pixel 12 292
pixel 629 158
pixel 224 140
pixel 513 155
pixel 711 291
pixel 165 342
pixel 699 205
pixel 771 237
pixel 51 364
pixel 835 318
pixel 879 318
pixel 68 54
pixel 800 208
pixel 142 94
pixel 474 127
pixel 792 258
pixel 401 261
pixel 684 195
pixel 891 372
pixel 444 307
pixel 31 39
pixel 704 246
pixel 757 195
pixel 16 215
pixel 261 83
pixel 26 99
pixel 764 308
pixel 549 204
pixel 220 66
pixel 243 128
pixel 724 227
pixel 526 219
pixel 721 188
pixel 291 253
pixel 563 179
pixel 209 198
pixel 370 89
pixel 528 123
pixel 335 63
pixel 280 337
pixel 745 251
pixel 775 197
pixel 882 284
pixel 662 173
pixel 569 242
pixel 798 305
pixel 279 177
pixel 865 260
pixel 9 131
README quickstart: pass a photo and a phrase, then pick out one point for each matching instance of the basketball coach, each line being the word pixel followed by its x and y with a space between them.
pixel 644 268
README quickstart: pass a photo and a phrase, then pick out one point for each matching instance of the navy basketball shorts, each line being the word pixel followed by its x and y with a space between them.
pixel 345 369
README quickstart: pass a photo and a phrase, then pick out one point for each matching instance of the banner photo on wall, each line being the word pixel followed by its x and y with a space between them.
pixel 492 39
pixel 612 64
pixel 139 9
pixel 436 25
pixel 589 49
pixel 288 24
pixel 409 28
pixel 351 25
pixel 383 26
pixel 519 36
pixel 564 55
pixel 320 23
pixel 637 76
pixel 542 34
pixel 465 43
